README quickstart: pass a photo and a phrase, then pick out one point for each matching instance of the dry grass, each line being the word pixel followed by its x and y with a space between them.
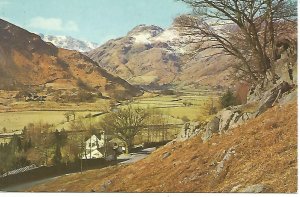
pixel 266 152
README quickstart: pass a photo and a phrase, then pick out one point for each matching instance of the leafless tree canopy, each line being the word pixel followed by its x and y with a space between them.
pixel 125 124
pixel 247 30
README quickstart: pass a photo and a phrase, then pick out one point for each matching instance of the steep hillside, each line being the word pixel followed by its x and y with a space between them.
pixel 68 42
pixel 27 61
pixel 152 56
pixel 260 156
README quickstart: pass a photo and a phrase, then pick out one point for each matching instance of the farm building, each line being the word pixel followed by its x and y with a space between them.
pixel 101 146
pixel 92 154
pixel 93 146
pixel 35 97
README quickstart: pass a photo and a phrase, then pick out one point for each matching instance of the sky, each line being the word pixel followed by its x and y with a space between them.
pixel 90 20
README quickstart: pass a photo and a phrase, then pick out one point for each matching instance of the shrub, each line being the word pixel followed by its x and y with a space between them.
pixel 84 96
pixel 187 103
pixel 212 110
pixel 64 65
pixel 167 92
pixel 228 99
pixel 84 86
pixel 185 119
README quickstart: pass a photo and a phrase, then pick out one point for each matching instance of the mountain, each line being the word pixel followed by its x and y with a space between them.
pixel 26 61
pixel 68 42
pixel 154 57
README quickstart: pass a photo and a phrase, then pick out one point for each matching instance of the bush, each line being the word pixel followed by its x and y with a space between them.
pixel 185 119
pixel 167 92
pixel 80 97
pixel 22 93
pixel 84 86
pixel 187 103
pixel 84 96
pixel 228 99
pixel 212 110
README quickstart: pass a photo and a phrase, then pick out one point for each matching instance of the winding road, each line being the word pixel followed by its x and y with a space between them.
pixel 131 158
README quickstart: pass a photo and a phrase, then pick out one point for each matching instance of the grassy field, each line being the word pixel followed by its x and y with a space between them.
pixel 17 120
pixel 191 105
pixel 15 114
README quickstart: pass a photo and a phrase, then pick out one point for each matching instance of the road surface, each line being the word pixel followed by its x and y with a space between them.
pixel 131 158
pixel 24 186
pixel 134 157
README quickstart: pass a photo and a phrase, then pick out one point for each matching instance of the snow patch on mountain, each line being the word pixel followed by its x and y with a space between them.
pixel 176 41
pixel 68 42
pixel 167 36
pixel 143 38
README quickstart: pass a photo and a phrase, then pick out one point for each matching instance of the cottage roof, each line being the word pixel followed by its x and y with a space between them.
pixel 92 139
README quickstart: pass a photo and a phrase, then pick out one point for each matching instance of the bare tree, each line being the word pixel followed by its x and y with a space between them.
pixel 70 114
pixel 42 139
pixel 125 124
pixel 156 121
pixel 245 29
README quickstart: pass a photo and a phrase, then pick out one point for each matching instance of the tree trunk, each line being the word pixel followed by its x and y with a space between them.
pixel 126 149
pixel 272 39
pixel 128 146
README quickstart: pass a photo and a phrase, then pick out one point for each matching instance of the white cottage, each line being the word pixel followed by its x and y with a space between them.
pixel 92 147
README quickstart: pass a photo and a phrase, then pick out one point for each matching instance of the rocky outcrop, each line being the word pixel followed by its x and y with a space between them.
pixel 258 188
pixel 278 86
pixel 226 119
pixel 166 155
pixel 221 165
pixel 104 186
pixel 211 127
pixel 189 130
pixel 232 117
pixel 285 71
pixel 288 97
pixel 271 97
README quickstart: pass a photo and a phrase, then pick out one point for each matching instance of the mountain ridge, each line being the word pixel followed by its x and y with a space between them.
pixel 152 56
pixel 28 61
pixel 68 42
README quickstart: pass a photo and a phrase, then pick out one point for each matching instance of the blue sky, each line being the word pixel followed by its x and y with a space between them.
pixel 91 20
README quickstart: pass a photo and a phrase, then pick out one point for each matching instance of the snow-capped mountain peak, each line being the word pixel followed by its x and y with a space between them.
pixel 68 42
pixel 172 37
pixel 143 34
pixel 152 30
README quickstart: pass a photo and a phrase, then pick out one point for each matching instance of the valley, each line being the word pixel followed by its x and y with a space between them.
pixel 207 103
pixel 181 106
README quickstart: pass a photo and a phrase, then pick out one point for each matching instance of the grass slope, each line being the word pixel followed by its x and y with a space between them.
pixel 265 152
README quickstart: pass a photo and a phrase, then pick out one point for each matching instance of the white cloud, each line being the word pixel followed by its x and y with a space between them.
pixel 54 24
